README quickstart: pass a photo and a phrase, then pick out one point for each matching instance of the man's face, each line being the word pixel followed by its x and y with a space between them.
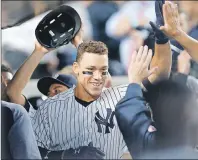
pixel 92 71
pixel 56 89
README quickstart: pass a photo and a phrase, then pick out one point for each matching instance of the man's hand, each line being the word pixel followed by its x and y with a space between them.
pixel 40 49
pixel 160 37
pixel 183 63
pixel 78 39
pixel 172 27
pixel 138 68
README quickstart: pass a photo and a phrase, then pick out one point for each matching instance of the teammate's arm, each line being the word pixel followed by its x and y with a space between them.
pixel 162 56
pixel 131 112
pixel 23 75
pixel 78 39
pixel 163 59
pixel 172 28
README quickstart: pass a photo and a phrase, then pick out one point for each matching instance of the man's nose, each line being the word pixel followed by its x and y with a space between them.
pixel 97 75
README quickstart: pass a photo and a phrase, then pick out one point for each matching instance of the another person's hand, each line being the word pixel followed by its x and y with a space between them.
pixel 139 65
pixel 172 26
pixel 160 37
pixel 78 39
pixel 40 49
pixel 183 63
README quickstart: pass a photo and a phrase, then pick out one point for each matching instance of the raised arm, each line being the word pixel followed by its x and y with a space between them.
pixel 23 75
pixel 162 56
pixel 131 112
pixel 163 59
pixel 172 28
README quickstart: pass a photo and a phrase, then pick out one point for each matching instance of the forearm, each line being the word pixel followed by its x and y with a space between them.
pixel 189 44
pixel 21 78
pixel 163 60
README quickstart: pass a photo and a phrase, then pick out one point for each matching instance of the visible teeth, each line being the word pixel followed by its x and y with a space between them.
pixel 96 84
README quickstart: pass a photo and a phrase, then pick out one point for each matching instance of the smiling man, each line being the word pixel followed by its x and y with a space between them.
pixel 91 75
pixel 85 113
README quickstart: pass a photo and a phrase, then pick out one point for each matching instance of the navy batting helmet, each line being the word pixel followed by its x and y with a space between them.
pixel 58 27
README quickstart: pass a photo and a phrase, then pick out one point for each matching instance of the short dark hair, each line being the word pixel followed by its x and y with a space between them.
pixel 169 102
pixel 95 47
pixel 5 68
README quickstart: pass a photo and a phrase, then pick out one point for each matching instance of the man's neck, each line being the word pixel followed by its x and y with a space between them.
pixel 81 94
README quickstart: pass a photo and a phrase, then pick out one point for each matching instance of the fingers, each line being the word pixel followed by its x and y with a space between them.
pixel 168 12
pixel 144 54
pixel 165 14
pixel 152 71
pixel 175 10
pixel 171 9
pixel 139 54
pixel 148 58
pixel 133 57
pixel 138 69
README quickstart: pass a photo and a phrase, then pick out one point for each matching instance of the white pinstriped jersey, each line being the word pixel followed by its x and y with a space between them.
pixel 61 123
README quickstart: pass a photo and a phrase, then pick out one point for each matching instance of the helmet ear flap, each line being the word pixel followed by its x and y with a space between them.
pixel 58 27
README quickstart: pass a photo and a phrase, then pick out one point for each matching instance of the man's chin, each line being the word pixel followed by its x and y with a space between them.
pixel 95 94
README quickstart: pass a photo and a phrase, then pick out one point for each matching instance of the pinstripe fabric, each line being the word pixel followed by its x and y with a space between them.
pixel 61 123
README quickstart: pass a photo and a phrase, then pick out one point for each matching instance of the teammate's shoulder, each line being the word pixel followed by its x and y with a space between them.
pixel 60 97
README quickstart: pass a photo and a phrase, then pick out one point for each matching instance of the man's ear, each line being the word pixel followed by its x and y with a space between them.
pixel 75 68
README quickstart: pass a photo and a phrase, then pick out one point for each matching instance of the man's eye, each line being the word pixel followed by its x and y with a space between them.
pixel 105 73
pixel 57 91
pixel 87 72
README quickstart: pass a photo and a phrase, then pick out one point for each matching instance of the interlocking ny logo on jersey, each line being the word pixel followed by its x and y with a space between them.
pixel 108 121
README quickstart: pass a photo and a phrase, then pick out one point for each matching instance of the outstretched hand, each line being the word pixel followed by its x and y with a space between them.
pixel 139 65
pixel 160 37
pixel 40 49
pixel 78 39
pixel 171 27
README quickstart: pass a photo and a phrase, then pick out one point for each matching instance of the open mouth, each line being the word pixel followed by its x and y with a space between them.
pixel 96 84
